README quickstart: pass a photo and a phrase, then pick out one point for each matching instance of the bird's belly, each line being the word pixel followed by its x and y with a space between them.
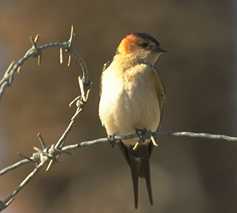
pixel 126 110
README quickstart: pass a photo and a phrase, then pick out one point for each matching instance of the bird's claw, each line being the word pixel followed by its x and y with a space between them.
pixel 112 140
pixel 142 135
pixel 154 141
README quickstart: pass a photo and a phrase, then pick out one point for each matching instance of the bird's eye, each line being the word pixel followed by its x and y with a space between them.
pixel 144 44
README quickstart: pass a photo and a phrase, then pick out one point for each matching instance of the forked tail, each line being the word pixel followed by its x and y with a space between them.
pixel 139 164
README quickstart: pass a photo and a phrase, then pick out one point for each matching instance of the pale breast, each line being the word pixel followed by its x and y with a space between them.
pixel 129 101
pixel 111 93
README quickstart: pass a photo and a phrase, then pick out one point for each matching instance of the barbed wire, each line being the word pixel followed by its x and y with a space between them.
pixel 47 155
pixel 36 52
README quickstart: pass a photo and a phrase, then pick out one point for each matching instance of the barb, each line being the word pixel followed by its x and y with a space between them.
pixel 51 153
pixel 45 155
pixel 117 139
pixel 34 52
pixel 80 101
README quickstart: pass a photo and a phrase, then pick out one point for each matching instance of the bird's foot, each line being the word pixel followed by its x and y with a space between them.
pixel 112 140
pixel 143 135
pixel 154 140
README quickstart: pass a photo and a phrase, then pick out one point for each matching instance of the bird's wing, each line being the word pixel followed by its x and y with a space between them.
pixel 105 66
pixel 161 94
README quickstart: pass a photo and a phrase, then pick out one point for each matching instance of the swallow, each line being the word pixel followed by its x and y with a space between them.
pixel 132 100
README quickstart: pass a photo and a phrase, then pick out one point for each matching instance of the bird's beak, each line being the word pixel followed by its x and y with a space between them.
pixel 160 50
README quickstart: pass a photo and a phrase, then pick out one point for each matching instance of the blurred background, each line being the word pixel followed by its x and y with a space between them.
pixel 199 71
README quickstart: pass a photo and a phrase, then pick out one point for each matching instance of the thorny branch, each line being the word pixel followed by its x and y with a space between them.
pixel 47 155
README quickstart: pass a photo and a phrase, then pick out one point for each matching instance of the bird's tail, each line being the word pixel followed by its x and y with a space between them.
pixel 139 164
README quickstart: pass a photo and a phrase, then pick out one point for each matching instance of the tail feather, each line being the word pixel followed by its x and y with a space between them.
pixel 135 180
pixel 147 176
pixel 138 161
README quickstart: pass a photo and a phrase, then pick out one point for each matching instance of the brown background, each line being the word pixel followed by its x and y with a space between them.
pixel 188 175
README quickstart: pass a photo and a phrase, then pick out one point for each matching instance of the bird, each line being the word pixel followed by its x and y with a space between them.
pixel 132 100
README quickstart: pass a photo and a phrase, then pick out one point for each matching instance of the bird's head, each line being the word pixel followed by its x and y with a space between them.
pixel 140 46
